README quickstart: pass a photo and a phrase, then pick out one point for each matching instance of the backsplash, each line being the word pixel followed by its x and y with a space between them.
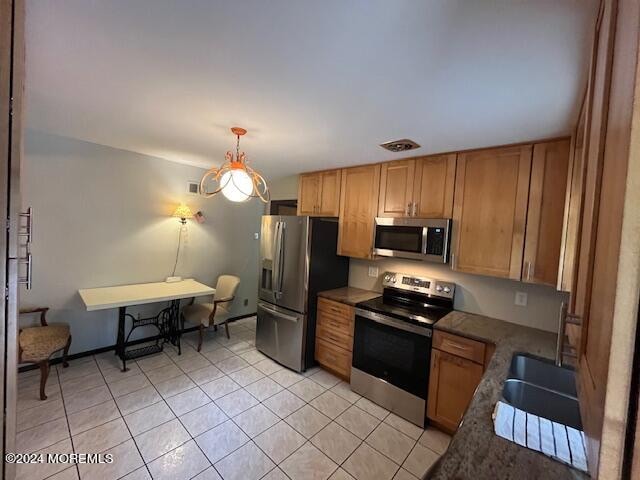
pixel 493 297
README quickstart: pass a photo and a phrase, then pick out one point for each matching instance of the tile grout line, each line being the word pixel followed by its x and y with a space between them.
pixel 261 402
pixel 125 424
pixel 176 418
pixel 73 448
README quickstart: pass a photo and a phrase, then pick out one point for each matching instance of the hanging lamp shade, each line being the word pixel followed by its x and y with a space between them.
pixel 235 179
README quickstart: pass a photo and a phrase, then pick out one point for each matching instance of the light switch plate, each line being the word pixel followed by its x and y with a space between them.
pixel 521 299
pixel 373 272
pixel 256 235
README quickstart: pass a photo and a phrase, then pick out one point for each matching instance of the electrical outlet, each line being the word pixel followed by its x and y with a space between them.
pixel 521 299
pixel 373 272
pixel 256 235
pixel 246 302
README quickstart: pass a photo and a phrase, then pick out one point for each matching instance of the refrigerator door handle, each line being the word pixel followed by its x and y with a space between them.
pixel 291 318
pixel 281 259
pixel 275 268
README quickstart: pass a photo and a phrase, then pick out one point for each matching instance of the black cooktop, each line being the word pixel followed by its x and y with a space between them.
pixel 419 310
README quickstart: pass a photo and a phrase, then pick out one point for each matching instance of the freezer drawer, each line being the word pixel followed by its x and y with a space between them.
pixel 280 335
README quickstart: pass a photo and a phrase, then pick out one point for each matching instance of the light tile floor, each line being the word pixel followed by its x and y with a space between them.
pixel 229 412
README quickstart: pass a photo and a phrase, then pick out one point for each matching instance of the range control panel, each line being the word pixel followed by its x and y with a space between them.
pixel 413 283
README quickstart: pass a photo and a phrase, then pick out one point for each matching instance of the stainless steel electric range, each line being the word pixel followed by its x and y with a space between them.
pixel 392 342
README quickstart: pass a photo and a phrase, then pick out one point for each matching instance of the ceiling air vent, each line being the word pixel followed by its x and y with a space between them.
pixel 193 188
pixel 400 145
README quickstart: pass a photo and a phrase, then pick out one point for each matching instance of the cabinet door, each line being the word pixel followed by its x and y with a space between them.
pixel 358 205
pixel 308 193
pixel 609 138
pixel 433 188
pixel 489 211
pixel 452 383
pixel 396 188
pixel 545 215
pixel 329 197
pixel 568 265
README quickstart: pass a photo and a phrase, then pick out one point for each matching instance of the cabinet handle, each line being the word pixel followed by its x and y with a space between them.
pixel 456 346
pixel 27 260
pixel 453 261
pixel 414 210
pixel 527 269
pixel 408 211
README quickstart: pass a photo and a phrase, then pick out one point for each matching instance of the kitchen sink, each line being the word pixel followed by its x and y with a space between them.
pixel 541 388
pixel 543 373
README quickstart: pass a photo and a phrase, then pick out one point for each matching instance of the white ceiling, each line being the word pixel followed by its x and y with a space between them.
pixel 318 84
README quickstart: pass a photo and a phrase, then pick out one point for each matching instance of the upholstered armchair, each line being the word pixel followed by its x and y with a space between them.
pixel 213 314
pixel 37 344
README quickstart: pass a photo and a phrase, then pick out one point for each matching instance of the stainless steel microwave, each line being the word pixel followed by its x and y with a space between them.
pixel 417 238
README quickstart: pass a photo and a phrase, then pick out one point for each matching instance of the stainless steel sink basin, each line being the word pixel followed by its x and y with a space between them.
pixel 543 374
pixel 541 388
pixel 544 403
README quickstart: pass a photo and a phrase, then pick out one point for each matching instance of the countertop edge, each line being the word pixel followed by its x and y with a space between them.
pixel 475 452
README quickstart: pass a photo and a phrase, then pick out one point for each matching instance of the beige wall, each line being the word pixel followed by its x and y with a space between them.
pixel 102 217
pixel 284 188
pixel 488 296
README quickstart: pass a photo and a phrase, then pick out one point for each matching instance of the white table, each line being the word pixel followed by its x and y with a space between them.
pixel 167 321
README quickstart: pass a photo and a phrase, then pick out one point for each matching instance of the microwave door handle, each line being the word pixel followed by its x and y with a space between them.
pixel 425 231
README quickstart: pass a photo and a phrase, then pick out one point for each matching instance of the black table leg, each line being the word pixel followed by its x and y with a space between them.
pixel 120 346
pixel 175 322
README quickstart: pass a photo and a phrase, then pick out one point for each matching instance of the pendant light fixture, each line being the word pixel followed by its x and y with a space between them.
pixel 235 179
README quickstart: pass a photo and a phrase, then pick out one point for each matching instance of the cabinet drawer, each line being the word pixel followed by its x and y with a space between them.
pixel 335 308
pixel 335 323
pixel 335 358
pixel 335 336
pixel 459 346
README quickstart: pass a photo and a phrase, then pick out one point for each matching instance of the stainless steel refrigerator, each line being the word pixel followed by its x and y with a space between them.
pixel 297 260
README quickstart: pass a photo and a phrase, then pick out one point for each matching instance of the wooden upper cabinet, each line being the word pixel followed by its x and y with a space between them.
pixel 329 204
pixel 396 188
pixel 319 193
pixel 546 213
pixel 433 186
pixel 358 206
pixel 308 193
pixel 568 265
pixel 418 187
pixel 489 211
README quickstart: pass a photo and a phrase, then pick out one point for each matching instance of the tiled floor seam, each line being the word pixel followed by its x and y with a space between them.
pixel 128 429
pixel 180 421
pixel 73 448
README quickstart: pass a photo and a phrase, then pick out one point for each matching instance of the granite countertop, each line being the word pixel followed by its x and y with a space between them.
pixel 475 451
pixel 349 295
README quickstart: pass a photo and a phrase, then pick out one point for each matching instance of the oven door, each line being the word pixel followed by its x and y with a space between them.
pixel 394 351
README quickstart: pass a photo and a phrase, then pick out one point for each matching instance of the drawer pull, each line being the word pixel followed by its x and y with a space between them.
pixel 456 346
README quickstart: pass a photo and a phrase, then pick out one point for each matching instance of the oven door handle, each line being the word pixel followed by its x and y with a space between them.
pixel 392 322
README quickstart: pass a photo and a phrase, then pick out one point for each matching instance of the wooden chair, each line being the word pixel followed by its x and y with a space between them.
pixel 216 313
pixel 37 344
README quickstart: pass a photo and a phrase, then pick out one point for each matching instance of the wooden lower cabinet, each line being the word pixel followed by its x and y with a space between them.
pixel 454 377
pixel 334 336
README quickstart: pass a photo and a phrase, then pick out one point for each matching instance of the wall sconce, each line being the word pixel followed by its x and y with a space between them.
pixel 183 212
